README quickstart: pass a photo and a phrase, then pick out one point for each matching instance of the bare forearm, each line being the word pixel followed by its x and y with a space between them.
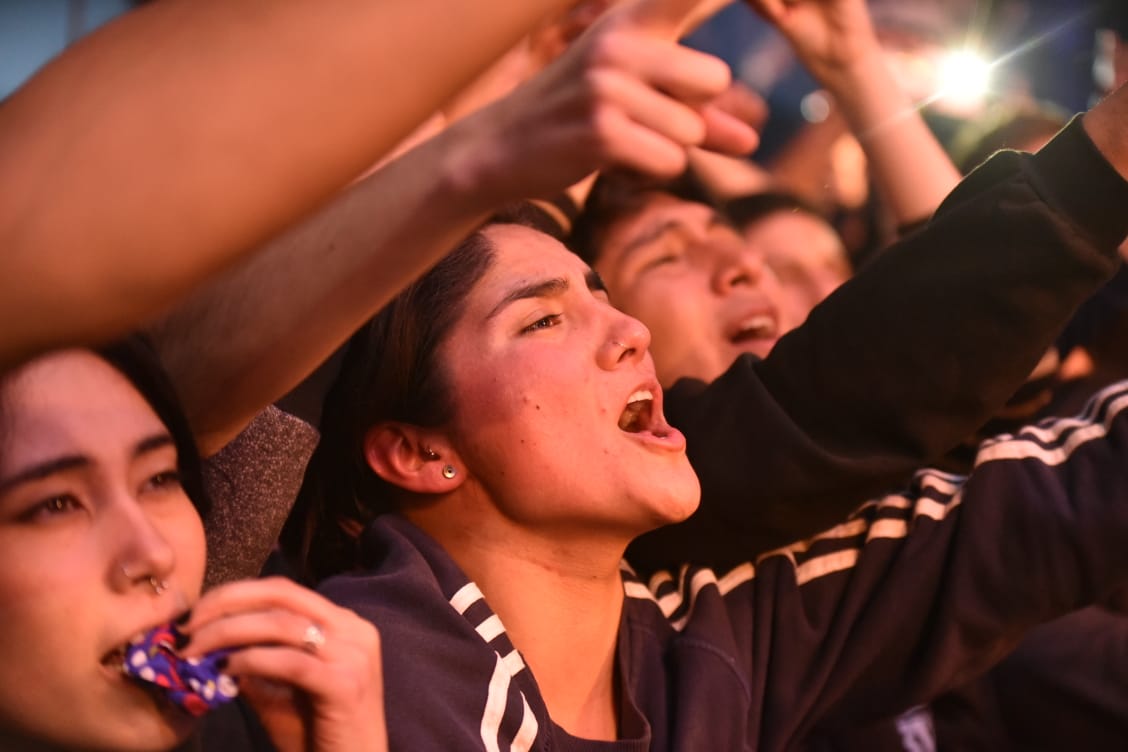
pixel 168 143
pixel 274 320
pixel 270 321
pixel 837 43
pixel 912 170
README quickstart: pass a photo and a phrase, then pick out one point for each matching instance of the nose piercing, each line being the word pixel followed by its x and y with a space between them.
pixel 158 586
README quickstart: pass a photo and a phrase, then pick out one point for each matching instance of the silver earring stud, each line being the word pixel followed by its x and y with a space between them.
pixel 158 586
pixel 430 454
pixel 449 471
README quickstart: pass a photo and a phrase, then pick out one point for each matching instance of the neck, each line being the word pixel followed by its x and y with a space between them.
pixel 561 604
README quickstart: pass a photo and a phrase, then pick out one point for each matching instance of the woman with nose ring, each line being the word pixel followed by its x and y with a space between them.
pixel 102 541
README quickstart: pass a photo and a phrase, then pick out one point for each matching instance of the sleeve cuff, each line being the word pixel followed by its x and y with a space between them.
pixel 1075 178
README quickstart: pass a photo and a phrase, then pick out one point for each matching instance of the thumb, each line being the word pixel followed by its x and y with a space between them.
pixel 672 19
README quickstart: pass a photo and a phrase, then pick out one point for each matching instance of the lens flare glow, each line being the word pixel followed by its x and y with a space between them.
pixel 965 78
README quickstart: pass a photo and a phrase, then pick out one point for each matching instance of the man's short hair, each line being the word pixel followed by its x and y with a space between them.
pixel 619 194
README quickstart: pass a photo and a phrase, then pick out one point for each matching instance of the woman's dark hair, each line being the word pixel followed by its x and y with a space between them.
pixel 389 373
pixel 136 360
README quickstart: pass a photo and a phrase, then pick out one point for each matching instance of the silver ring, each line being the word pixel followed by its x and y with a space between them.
pixel 313 639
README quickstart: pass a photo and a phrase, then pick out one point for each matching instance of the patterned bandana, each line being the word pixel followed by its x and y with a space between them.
pixel 196 685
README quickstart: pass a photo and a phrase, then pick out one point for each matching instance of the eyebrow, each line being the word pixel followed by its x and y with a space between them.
pixel 548 288
pixel 656 232
pixel 66 463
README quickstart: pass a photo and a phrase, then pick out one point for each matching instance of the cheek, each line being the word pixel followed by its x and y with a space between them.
pixel 529 410
pixel 185 534
pixel 51 612
pixel 675 313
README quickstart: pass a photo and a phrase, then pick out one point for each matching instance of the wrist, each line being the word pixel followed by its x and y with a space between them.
pixel 473 169
pixel 867 94
pixel 851 71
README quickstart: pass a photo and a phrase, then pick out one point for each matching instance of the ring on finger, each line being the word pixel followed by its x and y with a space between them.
pixel 313 639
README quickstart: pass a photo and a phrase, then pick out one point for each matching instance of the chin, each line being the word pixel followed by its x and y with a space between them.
pixel 681 498
pixel 151 724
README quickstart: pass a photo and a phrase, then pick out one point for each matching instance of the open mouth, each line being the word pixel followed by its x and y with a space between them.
pixel 115 659
pixel 643 415
pixel 637 416
pixel 753 328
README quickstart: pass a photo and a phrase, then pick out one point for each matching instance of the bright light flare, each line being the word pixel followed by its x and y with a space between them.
pixel 964 79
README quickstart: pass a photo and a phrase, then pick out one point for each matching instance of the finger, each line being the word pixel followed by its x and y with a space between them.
pixel 687 74
pixel 742 102
pixel 672 19
pixel 639 148
pixel 351 676
pixel 727 134
pixel 772 10
pixel 646 107
pixel 261 595
pixel 268 627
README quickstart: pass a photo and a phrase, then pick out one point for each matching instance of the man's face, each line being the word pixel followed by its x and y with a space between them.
pixel 705 295
pixel 805 253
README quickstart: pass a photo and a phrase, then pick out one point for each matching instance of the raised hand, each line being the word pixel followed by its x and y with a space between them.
pixel 625 93
pixel 827 35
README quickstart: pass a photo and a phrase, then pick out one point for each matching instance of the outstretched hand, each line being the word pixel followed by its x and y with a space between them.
pixel 310 669
pixel 625 94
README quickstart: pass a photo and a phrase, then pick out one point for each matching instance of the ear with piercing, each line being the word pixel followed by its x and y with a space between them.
pixel 448 470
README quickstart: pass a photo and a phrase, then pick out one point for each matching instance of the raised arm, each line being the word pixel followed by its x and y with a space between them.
pixel 626 93
pixel 904 360
pixel 835 40
pixel 175 139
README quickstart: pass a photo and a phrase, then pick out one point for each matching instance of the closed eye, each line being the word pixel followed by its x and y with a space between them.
pixel 669 258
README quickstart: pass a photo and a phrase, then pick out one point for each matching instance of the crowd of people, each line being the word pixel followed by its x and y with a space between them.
pixel 459 386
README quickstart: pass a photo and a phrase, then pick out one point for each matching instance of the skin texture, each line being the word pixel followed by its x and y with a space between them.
pixel 698 286
pixel 91 508
pixel 111 150
pixel 806 255
pixel 66 538
pixel 548 489
pixel 624 93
